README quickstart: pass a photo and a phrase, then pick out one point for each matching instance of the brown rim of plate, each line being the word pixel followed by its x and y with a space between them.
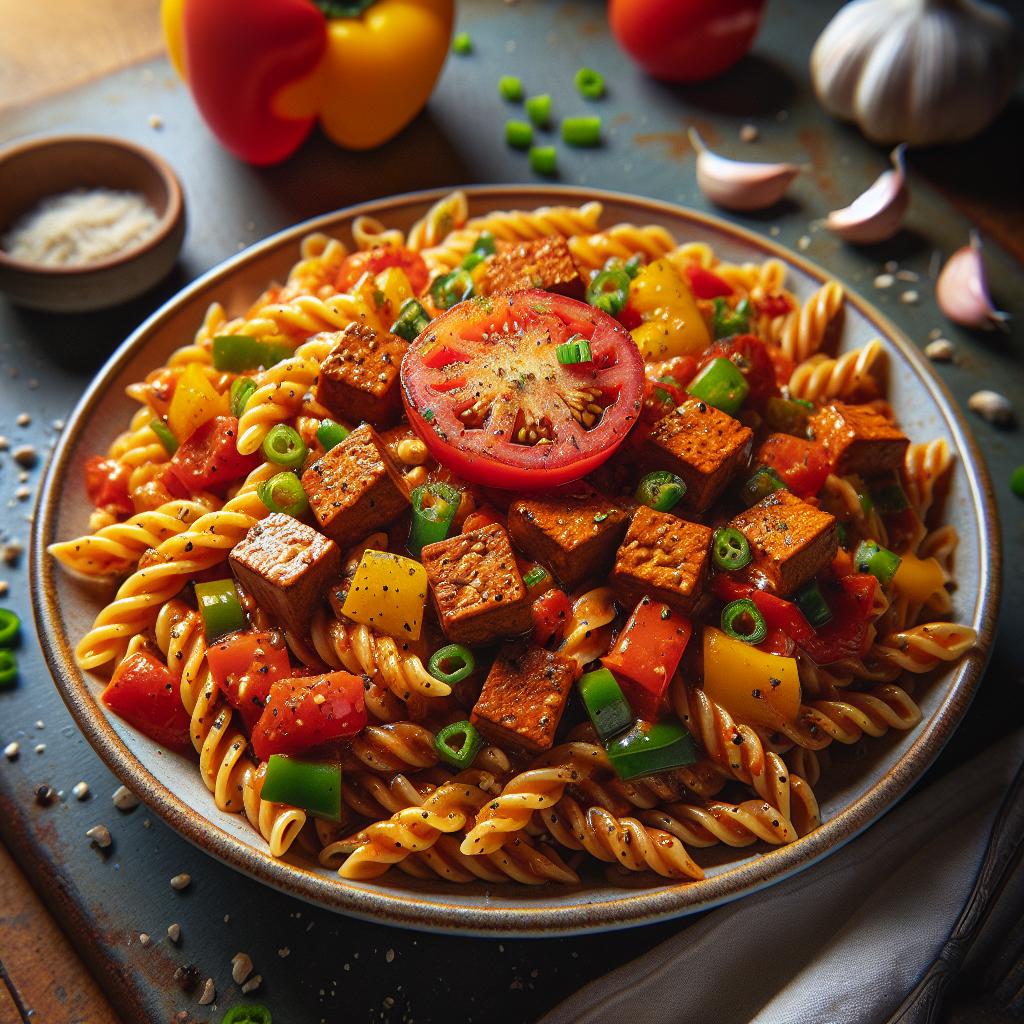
pixel 509 916
pixel 164 224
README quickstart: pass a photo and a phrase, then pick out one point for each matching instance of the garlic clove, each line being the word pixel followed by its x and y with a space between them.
pixel 992 406
pixel 962 293
pixel 740 184
pixel 877 213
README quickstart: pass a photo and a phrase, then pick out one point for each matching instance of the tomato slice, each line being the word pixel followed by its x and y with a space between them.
pixel 106 483
pixel 143 692
pixel 373 261
pixel 484 389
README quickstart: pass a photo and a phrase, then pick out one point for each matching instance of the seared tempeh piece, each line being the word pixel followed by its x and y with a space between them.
pixel 790 541
pixel 476 587
pixel 859 439
pixel 701 445
pixel 574 533
pixel 286 566
pixel 355 488
pixel 545 263
pixel 523 699
pixel 663 557
pixel 359 378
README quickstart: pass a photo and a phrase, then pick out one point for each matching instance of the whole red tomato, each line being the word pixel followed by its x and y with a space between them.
pixel 685 40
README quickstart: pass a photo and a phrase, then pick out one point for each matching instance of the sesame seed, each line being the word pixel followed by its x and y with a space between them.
pixel 80 790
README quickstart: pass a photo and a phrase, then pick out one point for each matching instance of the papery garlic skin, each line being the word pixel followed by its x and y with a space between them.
pixel 878 212
pixel 918 71
pixel 962 292
pixel 740 184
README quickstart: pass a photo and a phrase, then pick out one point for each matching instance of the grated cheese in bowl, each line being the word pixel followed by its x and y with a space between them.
pixel 81 227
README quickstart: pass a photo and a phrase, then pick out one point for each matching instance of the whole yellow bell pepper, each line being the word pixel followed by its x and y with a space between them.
pixel 263 71
pixel 672 321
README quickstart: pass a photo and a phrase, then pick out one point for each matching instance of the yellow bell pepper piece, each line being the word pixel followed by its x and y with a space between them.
pixel 376 73
pixel 917 579
pixel 754 687
pixel 195 401
pixel 388 593
pixel 673 324
pixel 392 290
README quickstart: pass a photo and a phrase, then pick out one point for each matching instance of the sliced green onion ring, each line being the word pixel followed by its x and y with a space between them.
pixel 661 490
pixel 284 447
pixel 738 613
pixel 458 744
pixel 10 627
pixel 880 562
pixel 589 83
pixel 242 389
pixel 581 131
pixel 450 289
pixel 431 522
pixel 608 290
pixel 575 350
pixel 412 320
pixel 284 493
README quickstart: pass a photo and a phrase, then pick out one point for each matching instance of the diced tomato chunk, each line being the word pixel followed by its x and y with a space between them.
pixel 778 613
pixel 551 613
pixel 851 599
pixel 750 356
pixel 373 261
pixel 106 483
pixel 773 305
pixel 646 655
pixel 303 713
pixel 803 465
pixel 143 692
pixel 705 284
pixel 209 460
pixel 245 666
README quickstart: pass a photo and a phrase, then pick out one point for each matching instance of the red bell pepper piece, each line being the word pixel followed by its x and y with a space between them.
pixel 245 666
pixel 647 654
pixel 273 43
pixel 308 712
pixel 106 483
pixel 803 465
pixel 208 459
pixel 751 357
pixel 143 692
pixel 373 261
pixel 778 613
pixel 704 284
pixel 773 305
pixel 551 613
pixel 845 635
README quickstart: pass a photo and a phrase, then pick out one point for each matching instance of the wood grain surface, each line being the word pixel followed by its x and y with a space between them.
pixel 42 979
pixel 49 46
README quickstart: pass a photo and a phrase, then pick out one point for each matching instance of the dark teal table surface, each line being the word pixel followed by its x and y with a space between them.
pixel 336 968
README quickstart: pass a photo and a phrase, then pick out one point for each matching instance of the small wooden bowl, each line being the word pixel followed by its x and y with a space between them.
pixel 32 170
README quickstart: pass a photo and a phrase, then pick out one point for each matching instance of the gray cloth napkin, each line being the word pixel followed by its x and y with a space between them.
pixel 842 943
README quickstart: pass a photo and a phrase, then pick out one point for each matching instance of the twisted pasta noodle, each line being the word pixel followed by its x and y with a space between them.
pixel 941 544
pixel 820 378
pixel 841 497
pixel 807 764
pixel 734 747
pixel 374 797
pixel 519 860
pixel 411 830
pixel 116 547
pixel 688 253
pixel 620 241
pixel 846 718
pixel 718 822
pixel 804 329
pixel 510 226
pixel 393 747
pixel 229 775
pixel 922 648
pixel 533 790
pixel 924 466
pixel 369 233
pixel 634 845
pixel 177 559
pixel 588 631
pixel 305 315
pixel 446 215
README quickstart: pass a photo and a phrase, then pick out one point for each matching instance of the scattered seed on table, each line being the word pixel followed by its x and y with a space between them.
pixel 992 406
pixel 187 977
pixel 80 790
pixel 174 931
pixel 100 835
pixel 45 794
pixel 803 242
pixel 252 984
pixel 23 493
pixel 241 967
pixel 283 952
pixel 208 994
pixel 23 419
pixel 909 297
pixel 124 799
pixel 389 956
pixel 12 750
pixel 4 443
pixel 749 133
pixel 40 748
pixel 907 275
pixel 144 939
pixel 40 724
pixel 3 587
pixel 891 266
pixel 182 881
pixel 941 350
pixel 26 456
pixel 884 281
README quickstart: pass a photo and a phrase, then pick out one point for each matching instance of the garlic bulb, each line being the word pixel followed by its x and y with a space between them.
pixel 877 213
pixel 917 71
pixel 740 184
